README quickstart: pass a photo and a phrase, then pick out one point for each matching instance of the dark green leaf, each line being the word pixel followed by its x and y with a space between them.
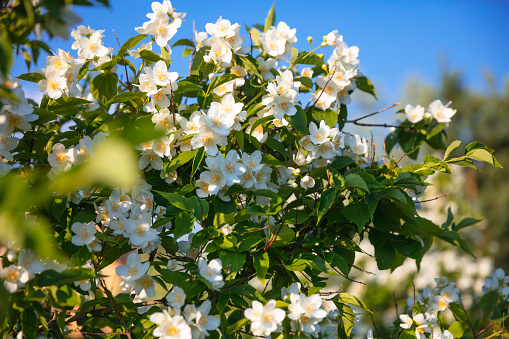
pixel 358 213
pixel 365 85
pixel 261 264
pixel 32 77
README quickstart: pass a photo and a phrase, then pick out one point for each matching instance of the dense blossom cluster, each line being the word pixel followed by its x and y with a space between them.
pixel 160 229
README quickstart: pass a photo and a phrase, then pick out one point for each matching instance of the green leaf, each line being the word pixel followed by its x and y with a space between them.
pixel 299 120
pixel 150 56
pixel 188 86
pixel 480 154
pixel 317 263
pixel 365 85
pixel 407 180
pixel 271 18
pixel 276 145
pixel 222 79
pixel 181 159
pixel 183 42
pixel 6 55
pixel 354 180
pixel 32 77
pixel 250 64
pixel 348 299
pixel 104 87
pixel 238 325
pixel 452 147
pixel 293 56
pixel 224 297
pixel 234 260
pixel 131 42
pixel 198 160
pixel 177 201
pixel 269 159
pixel 259 122
pixel 465 223
pixel 29 323
pixel 325 202
pixel 70 275
pixel 183 224
pixel 175 278
pixel 261 264
pixel 342 116
pixel 358 213
pixel 329 116
pixel 126 96
pixel 457 329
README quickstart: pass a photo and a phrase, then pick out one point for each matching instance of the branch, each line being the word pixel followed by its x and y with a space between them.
pixel 371 114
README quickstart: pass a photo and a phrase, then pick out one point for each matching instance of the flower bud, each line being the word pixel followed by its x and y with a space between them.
pixel 310 38
pixel 323 44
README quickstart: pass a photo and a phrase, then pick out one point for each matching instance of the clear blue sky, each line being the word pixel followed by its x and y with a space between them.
pixel 397 39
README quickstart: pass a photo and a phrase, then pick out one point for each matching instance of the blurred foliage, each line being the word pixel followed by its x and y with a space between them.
pixel 482 116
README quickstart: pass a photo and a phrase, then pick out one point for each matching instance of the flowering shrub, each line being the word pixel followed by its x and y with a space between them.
pixel 203 186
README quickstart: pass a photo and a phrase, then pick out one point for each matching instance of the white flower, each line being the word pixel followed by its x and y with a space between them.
pixel 319 135
pixel 307 182
pixel 407 322
pixel 118 204
pixel 266 66
pixel 208 139
pixel 54 84
pixel 212 272
pixel 133 269
pixel 252 161
pixel 273 44
pixel 440 112
pixel 140 231
pixel 136 53
pixel 333 38
pixel 162 29
pixel 200 320
pixel 147 84
pixel 92 47
pixel 177 297
pixel 265 319
pixel 221 29
pixel 438 303
pixel 306 72
pixel 172 264
pixel 150 157
pixel 61 158
pixel 173 327
pixel 15 277
pixel 226 229
pixel 294 288
pixel 29 261
pixel 85 233
pixel 414 114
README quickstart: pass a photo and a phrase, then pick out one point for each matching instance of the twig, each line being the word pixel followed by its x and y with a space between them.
pixel 378 125
pixel 395 304
pixel 371 114
pixel 321 92
pixel 396 164
pixel 377 331
pixel 442 196
pixel 128 83
pixel 115 307
pixel 468 319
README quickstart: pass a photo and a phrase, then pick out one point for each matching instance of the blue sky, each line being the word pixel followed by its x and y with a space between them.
pixel 397 39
